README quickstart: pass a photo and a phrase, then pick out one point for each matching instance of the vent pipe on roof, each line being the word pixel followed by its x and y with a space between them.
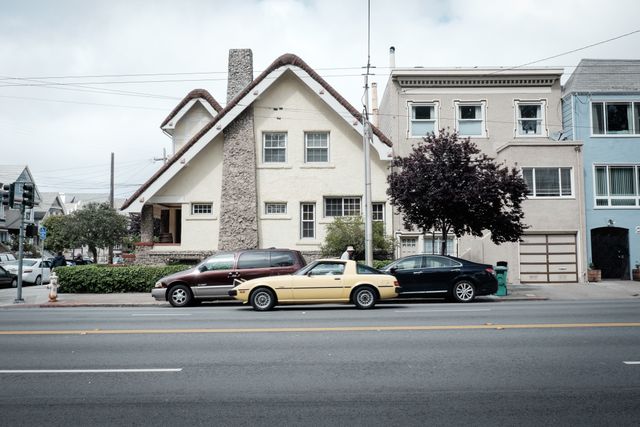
pixel 392 57
pixel 240 71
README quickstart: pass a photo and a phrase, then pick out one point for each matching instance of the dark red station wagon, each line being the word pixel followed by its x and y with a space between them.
pixel 214 277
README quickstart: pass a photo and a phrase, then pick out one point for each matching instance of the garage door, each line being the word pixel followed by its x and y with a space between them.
pixel 548 258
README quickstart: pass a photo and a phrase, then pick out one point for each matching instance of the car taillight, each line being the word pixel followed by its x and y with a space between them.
pixel 396 283
pixel 28 270
pixel 489 270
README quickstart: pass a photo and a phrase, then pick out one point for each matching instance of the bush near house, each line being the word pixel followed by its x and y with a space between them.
pixel 111 280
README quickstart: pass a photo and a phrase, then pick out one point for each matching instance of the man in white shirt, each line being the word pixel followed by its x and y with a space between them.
pixel 348 253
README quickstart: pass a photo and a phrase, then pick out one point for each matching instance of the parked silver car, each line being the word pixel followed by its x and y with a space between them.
pixel 34 270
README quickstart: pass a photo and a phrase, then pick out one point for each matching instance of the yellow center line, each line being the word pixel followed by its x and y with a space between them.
pixel 323 329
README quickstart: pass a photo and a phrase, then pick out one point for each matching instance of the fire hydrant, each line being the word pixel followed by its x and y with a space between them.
pixel 53 287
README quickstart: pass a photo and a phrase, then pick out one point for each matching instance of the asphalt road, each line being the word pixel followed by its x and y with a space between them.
pixel 533 363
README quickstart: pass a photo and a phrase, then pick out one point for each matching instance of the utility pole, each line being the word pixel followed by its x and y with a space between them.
pixel 366 136
pixel 19 299
pixel 111 203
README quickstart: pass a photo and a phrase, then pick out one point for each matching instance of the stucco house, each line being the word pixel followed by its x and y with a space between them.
pixel 514 116
pixel 270 169
pixel 601 104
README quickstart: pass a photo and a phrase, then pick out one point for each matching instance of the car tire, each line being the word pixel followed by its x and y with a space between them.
pixel 14 283
pixel 262 299
pixel 364 297
pixel 38 281
pixel 180 296
pixel 463 291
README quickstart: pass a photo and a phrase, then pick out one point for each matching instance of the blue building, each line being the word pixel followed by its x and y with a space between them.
pixel 601 107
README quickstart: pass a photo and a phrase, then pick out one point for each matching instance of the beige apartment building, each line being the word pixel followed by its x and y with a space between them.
pixel 515 116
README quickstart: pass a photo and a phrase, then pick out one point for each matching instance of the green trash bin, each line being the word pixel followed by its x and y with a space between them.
pixel 501 275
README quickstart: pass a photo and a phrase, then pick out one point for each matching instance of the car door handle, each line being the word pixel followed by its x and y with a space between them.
pixel 417 272
pixel 234 275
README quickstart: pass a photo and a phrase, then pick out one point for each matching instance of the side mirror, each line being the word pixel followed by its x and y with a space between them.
pixel 393 270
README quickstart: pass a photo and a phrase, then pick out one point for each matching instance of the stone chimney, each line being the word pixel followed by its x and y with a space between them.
pixel 240 71
pixel 239 206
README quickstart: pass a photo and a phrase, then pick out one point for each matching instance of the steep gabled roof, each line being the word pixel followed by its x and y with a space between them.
pixel 235 107
pixel 194 94
pixel 605 76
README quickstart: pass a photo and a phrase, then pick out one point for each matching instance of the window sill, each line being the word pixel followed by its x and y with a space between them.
pixel 551 198
pixel 614 135
pixel 275 217
pixel 317 166
pixel 201 218
pixel 274 166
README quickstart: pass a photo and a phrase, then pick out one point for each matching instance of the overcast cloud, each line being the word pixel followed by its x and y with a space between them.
pixel 65 134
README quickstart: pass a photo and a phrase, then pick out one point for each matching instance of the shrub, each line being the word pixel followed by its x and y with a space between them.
pixel 111 280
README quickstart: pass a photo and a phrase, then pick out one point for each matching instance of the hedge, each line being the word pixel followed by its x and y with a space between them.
pixel 99 279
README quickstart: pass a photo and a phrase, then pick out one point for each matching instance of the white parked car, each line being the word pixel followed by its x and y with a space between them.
pixel 34 270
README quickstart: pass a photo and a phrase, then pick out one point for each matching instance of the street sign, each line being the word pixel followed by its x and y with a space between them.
pixel 43 233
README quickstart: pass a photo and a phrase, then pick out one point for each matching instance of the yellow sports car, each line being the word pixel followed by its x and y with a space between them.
pixel 322 281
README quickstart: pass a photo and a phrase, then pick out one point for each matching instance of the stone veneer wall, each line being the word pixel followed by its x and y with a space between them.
pixel 239 205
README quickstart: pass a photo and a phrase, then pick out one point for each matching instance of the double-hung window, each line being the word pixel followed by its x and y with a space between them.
pixel 342 206
pixel 377 212
pixel 470 118
pixel 274 147
pixel 308 220
pixel 617 185
pixel 530 118
pixel 548 182
pixel 424 119
pixel 615 118
pixel 316 147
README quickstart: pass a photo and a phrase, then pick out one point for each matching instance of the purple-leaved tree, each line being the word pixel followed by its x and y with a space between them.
pixel 447 184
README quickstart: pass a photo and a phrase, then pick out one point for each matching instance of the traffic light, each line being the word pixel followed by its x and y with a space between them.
pixel 30 230
pixel 27 195
pixel 8 191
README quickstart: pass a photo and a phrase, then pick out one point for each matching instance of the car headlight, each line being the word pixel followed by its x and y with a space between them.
pixel 158 285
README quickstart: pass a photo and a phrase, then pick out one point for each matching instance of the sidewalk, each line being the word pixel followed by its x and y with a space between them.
pixel 38 296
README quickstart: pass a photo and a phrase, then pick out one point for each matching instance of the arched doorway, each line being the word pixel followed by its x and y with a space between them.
pixel 610 251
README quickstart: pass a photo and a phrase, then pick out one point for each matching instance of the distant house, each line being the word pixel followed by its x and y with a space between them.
pixel 278 163
pixel 10 218
pixel 514 116
pixel 601 105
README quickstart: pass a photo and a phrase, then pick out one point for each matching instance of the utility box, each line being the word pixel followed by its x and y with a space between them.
pixel 501 275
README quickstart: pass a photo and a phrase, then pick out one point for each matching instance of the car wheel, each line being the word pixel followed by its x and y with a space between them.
pixel 38 281
pixel 463 291
pixel 263 299
pixel 180 296
pixel 14 283
pixel 364 297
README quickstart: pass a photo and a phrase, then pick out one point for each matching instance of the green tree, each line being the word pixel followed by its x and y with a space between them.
pixel 60 233
pixel 97 225
pixel 446 184
pixel 345 231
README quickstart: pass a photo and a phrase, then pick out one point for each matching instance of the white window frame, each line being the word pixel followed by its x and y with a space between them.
pixel 634 130
pixel 609 197
pixel 436 114
pixel 265 148
pixel 276 207
pixel 482 120
pixel 303 221
pixel 559 168
pixel 342 205
pixel 542 103
pixel 373 212
pixel 197 206
pixel 306 146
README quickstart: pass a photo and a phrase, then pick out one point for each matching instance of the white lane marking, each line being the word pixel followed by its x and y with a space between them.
pixel 84 371
pixel 438 311
pixel 631 363
pixel 161 314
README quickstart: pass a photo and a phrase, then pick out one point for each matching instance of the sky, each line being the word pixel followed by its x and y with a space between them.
pixel 80 79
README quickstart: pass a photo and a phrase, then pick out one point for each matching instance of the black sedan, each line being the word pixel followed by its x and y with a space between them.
pixel 440 275
pixel 7 278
